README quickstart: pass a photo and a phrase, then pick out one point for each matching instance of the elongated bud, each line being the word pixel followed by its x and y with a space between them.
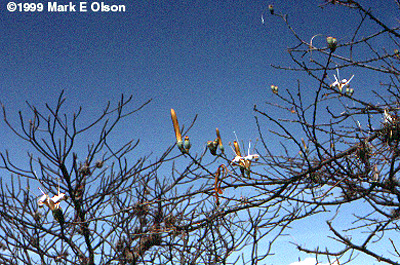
pixel 375 173
pixel 332 43
pixel 178 135
pixel 271 9
pixel 176 126
pixel 186 144
pixel 221 147
pixel 237 149
pixel 304 144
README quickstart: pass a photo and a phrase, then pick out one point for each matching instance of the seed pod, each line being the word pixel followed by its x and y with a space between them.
pixel 332 43
pixel 217 185
pixel 58 215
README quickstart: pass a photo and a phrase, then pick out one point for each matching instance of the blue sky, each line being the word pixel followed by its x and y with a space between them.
pixel 210 58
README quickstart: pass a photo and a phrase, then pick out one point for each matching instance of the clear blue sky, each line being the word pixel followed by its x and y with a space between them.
pixel 210 58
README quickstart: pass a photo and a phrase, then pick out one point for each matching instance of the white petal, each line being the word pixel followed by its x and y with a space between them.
pixel 42 200
pixel 59 197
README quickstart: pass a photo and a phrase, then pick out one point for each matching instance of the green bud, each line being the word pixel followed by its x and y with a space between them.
pixel 221 148
pixel 332 43
pixel 212 147
pixel 187 144
pixel 180 146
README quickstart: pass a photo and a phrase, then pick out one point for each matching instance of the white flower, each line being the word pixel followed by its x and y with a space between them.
pixel 387 118
pixel 244 161
pixel 343 84
pixel 53 202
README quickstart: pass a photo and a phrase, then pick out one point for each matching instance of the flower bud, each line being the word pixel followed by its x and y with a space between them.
pixel 212 147
pixel 180 146
pixel 221 147
pixel 186 144
pixel 216 142
pixel 274 89
pixel 332 43
pixel 349 91
pixel 271 9
pixel 175 123
pixel 237 148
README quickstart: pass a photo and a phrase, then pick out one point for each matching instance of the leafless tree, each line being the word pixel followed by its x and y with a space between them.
pixel 340 148
pixel 110 209
pixel 111 205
